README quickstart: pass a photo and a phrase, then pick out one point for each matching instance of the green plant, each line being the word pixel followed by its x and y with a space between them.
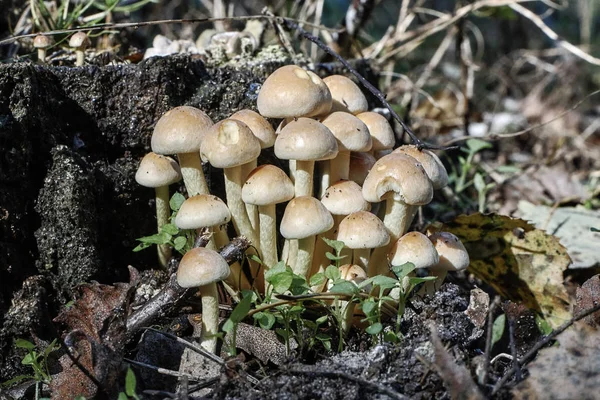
pixel 38 361
pixel 130 385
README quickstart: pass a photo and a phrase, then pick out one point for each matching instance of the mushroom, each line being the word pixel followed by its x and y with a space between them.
pixel 305 141
pixel 360 165
pixel 401 181
pixel 159 172
pixel 362 231
pixel 292 92
pixel 416 248
pixel 203 268
pixel 229 144
pixel 79 42
pixel 303 219
pixel 180 131
pixel 265 187
pixel 42 43
pixel 453 257
pixel 354 274
pixel 346 95
pixel 380 129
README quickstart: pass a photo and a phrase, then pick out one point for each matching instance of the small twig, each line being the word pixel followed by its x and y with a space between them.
pixel 191 389
pixel 363 383
pixel 531 353
pixel 191 345
pixel 160 370
pixel 513 346
pixel 488 340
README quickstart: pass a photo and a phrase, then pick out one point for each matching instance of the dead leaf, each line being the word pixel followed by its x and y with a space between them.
pixel 588 296
pixel 261 343
pixel 569 371
pixel 479 305
pixel 520 262
pixel 95 333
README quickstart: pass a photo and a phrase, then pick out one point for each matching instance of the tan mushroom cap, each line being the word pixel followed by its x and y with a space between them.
pixel 351 133
pixel 79 40
pixel 353 273
pixel 261 128
pixel 360 165
pixel 416 248
pixel 267 185
pixel 305 139
pixel 431 163
pixel 229 143
pixel 343 198
pixel 42 41
pixel 180 130
pixel 202 210
pixel 363 230
pixel 305 216
pixel 156 171
pixel 380 129
pixel 400 174
pixel 201 266
pixel 453 255
pixel 291 91
pixel 346 95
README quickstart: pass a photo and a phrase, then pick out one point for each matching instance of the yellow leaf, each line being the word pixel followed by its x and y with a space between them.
pixel 520 262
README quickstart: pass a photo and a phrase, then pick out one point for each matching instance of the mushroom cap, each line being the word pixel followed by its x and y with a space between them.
pixel 79 40
pixel 400 174
pixel 42 41
pixel 156 171
pixel 343 198
pixel 267 185
pixel 261 128
pixel 453 255
pixel 346 95
pixel 229 143
pixel 353 273
pixel 202 210
pixel 416 248
pixel 360 165
pixel 431 163
pixel 380 129
pixel 351 133
pixel 363 230
pixel 307 140
pixel 291 91
pixel 303 217
pixel 180 130
pixel 201 266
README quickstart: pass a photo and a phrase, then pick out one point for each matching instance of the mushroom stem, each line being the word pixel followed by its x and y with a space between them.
pixel 411 211
pixel 251 209
pixel 193 176
pixel 210 317
pixel 340 167
pixel 163 211
pixel 233 190
pixel 304 178
pixel 347 313
pixel 237 280
pixel 268 235
pixel 430 287
pixel 306 247
pixel 320 260
pixel 41 53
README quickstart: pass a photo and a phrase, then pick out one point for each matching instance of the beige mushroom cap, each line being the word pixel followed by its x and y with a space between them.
pixel 156 171
pixel 201 266
pixel 267 185
pixel 416 248
pixel 261 128
pixel 79 40
pixel 180 130
pixel 42 41
pixel 291 91
pixel 363 230
pixel 229 143
pixel 346 95
pixel 400 174
pixel 380 129
pixel 305 216
pixel 360 165
pixel 343 198
pixel 353 273
pixel 453 255
pixel 202 210
pixel 431 163
pixel 351 133
pixel 305 139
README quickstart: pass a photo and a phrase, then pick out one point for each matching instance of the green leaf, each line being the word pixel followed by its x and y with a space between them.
pixel 29 359
pixel 374 329
pixel 413 280
pixel 385 282
pixel 391 337
pixel 323 337
pixel 403 270
pixel 130 383
pixel 343 286
pixel 317 279
pixel 280 276
pixel 16 379
pixel 476 145
pixel 24 344
pixel 179 243
pixel 122 396
pixel 241 310
pixel 543 325
pixel 159 238
pixel 333 257
pixel 255 258
pixel 266 320
pixel 332 273
pixel 479 182
pixel 321 320
pixel 368 306
pixel 228 326
pixel 498 328
pixel 299 285
pixel 170 229
pixel 176 201
pixel 141 247
pixel 53 346
pixel 337 245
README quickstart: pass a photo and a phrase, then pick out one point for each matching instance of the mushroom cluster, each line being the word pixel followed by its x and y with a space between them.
pixel 365 193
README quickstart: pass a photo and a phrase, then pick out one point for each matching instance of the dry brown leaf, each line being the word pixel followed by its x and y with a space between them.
pixel 521 263
pixel 588 296
pixel 568 371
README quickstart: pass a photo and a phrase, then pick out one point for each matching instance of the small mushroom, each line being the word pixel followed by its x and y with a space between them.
pixel 354 274
pixel 42 43
pixel 79 42
pixel 453 257
pixel 346 95
pixel 362 231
